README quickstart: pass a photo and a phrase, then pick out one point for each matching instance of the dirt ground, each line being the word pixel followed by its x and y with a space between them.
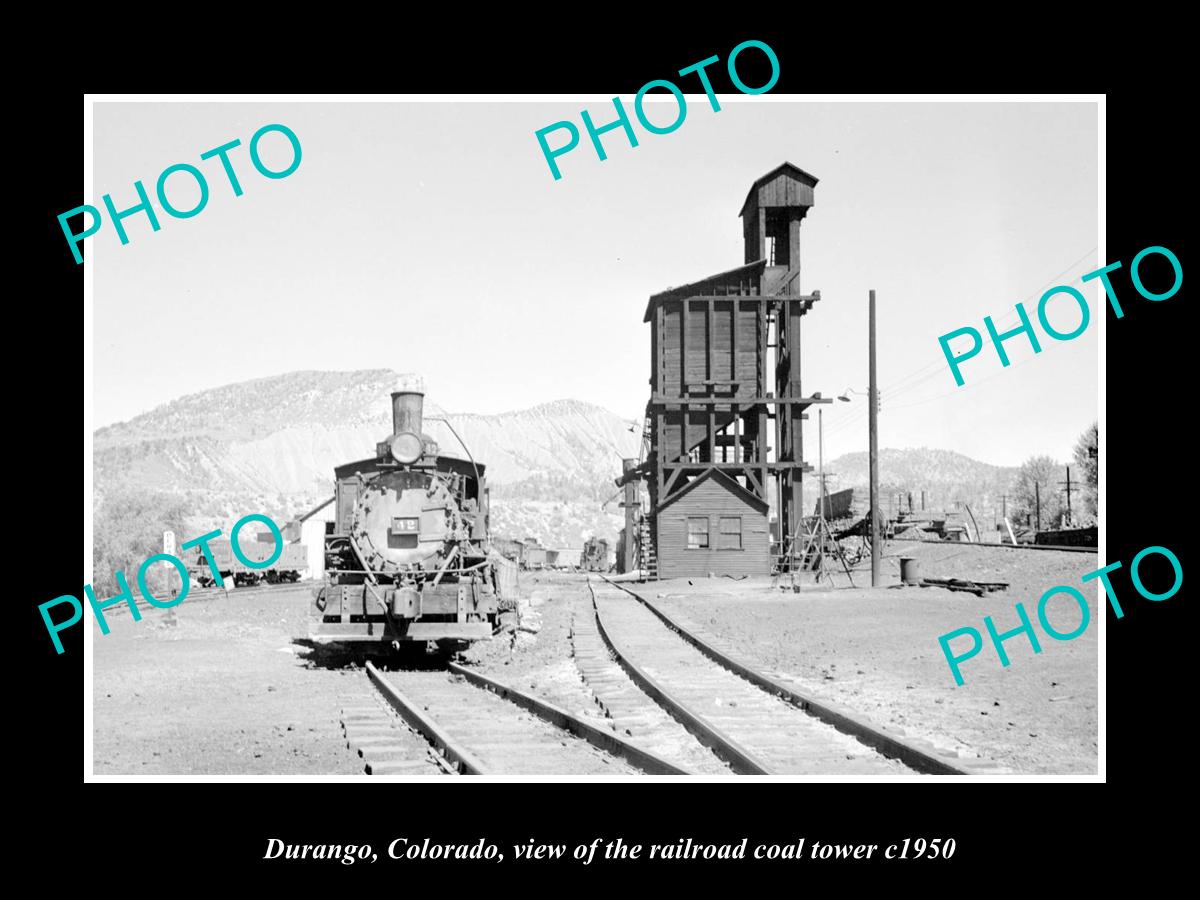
pixel 232 687
pixel 225 690
pixel 876 651
pixel 538 659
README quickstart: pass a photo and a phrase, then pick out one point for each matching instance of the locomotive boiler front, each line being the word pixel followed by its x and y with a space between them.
pixel 407 520
pixel 406 556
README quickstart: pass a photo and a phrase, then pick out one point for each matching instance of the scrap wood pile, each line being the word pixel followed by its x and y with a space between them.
pixel 978 588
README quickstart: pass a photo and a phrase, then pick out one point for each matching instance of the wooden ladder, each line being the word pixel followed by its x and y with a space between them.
pixel 646 557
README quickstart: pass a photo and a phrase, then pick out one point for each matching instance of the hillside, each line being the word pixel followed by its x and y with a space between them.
pixel 946 477
pixel 271 445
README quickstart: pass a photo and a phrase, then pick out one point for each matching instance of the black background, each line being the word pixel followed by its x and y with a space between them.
pixel 208 834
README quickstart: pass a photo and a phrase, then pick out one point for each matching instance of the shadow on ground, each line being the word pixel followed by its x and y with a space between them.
pixel 410 656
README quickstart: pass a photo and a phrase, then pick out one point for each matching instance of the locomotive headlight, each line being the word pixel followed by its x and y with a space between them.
pixel 406 448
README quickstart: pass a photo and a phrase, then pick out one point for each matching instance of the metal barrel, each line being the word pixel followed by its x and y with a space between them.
pixel 506 576
pixel 910 570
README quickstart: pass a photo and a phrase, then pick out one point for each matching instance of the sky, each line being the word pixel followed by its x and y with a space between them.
pixel 432 238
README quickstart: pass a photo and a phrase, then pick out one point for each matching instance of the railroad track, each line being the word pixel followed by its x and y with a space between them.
pixel 629 710
pixel 387 745
pixel 212 593
pixel 209 593
pixel 480 726
pixel 755 724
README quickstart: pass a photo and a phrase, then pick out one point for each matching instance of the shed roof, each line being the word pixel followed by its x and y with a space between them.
pixel 723 479
pixel 698 288
pixel 785 168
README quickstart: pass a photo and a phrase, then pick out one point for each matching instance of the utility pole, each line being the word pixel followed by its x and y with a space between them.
pixel 873 428
pixel 1070 519
pixel 632 507
pixel 1037 499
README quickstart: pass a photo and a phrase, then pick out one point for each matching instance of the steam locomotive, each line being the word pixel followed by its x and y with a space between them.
pixel 406 557
pixel 594 557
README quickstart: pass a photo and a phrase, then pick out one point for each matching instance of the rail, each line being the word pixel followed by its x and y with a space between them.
pixel 842 720
pixel 597 737
pixel 462 758
pixel 739 758
pixel 467 763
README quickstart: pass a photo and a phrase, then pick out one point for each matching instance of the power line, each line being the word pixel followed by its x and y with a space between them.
pixel 1009 319
pixel 932 369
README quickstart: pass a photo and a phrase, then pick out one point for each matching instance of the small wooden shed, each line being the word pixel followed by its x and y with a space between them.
pixel 713 525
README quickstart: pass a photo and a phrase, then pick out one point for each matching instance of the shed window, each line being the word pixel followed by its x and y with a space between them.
pixel 730 535
pixel 697 533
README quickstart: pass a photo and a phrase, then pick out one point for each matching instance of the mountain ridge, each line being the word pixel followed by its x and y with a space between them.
pixel 270 445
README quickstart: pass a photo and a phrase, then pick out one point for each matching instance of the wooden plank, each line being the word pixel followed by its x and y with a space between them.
pixel 708 343
pixel 656 350
pixel 733 340
pixel 762 444
pixel 762 234
pixel 761 337
pixel 737 432
pixel 676 472
pixel 683 342
pixel 701 466
pixel 758 488
pixel 658 444
pixel 743 401
pixel 686 432
pixel 794 254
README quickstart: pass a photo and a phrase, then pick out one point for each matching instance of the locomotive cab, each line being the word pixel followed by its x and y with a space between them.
pixel 406 558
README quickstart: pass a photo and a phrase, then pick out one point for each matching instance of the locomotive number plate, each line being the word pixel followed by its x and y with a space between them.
pixel 406 526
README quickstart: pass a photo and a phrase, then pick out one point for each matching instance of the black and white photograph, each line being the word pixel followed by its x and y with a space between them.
pixel 537 438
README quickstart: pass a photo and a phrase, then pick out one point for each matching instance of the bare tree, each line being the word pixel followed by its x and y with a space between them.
pixel 1045 473
pixel 1087 459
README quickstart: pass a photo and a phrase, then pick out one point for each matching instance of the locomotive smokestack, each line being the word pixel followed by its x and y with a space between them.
pixel 407 411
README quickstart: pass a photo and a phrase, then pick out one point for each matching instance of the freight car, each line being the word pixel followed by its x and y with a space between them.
pixel 406 556
pixel 292 559
pixel 510 549
pixel 594 557
pixel 534 555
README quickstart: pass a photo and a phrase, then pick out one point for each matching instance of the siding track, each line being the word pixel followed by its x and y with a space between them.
pixel 756 724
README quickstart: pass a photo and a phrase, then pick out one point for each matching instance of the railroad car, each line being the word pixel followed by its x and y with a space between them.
pixel 510 549
pixel 292 559
pixel 535 556
pixel 406 557
pixel 594 557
